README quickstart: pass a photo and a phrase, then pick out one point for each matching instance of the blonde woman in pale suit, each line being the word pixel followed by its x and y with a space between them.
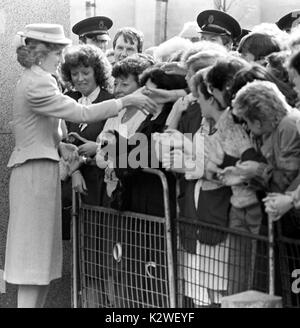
pixel 34 245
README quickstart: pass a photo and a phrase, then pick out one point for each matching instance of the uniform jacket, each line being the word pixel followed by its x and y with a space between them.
pixel 38 106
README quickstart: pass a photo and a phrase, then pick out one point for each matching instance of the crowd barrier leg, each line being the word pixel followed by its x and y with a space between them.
pixel 75 251
pixel 169 235
pixel 113 259
pixel 254 299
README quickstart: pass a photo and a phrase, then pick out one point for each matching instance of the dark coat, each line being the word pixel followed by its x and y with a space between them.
pixel 93 176
pixel 191 119
pixel 142 192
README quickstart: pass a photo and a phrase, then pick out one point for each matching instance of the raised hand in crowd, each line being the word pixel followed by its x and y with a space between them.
pixel 248 169
pixel 68 152
pixel 88 149
pixel 231 176
pixel 278 204
pixel 175 68
pixel 72 136
pixel 163 96
pixel 141 101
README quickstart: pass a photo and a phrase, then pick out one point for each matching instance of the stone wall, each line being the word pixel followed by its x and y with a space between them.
pixel 14 15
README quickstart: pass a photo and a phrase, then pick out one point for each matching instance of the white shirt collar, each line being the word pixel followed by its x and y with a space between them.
pixel 94 95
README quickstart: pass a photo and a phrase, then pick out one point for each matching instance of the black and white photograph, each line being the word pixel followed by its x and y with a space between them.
pixel 150 157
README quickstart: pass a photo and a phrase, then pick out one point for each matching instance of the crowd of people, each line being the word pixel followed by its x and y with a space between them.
pixel 215 108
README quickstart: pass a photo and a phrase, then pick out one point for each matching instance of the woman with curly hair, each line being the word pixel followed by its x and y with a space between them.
pixel 87 71
pixel 267 113
pixel 34 249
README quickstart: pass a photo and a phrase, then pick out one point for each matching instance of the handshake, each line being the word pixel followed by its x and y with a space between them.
pixel 70 160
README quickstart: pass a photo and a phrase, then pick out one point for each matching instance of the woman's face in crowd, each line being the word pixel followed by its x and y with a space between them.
pixel 124 86
pixel 255 127
pixel 51 62
pixel 295 79
pixel 218 95
pixel 83 79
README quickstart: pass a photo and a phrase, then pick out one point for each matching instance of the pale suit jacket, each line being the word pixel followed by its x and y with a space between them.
pixel 38 106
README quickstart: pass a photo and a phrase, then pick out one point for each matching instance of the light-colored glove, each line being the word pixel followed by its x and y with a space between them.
pixel 248 169
pixel 231 176
pixel 141 101
pixel 78 183
pixel 68 151
pixel 174 68
pixel 162 96
pixel 277 205
pixel 88 149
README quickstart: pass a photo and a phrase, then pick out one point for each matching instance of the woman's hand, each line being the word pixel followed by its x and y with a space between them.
pixel 88 149
pixel 277 205
pixel 231 176
pixel 78 183
pixel 181 105
pixel 141 101
pixel 174 68
pixel 74 165
pixel 248 169
pixel 163 96
pixel 73 136
pixel 68 152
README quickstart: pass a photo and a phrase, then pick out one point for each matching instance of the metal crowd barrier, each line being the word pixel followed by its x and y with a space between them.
pixel 214 262
pixel 289 270
pixel 124 260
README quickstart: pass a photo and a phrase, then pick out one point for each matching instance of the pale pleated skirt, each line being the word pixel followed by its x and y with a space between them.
pixel 34 240
pixel 207 269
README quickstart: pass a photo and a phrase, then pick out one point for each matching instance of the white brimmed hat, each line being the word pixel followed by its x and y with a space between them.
pixel 52 33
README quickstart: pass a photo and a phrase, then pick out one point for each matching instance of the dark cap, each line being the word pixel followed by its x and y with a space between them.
pixel 92 26
pixel 218 22
pixel 289 21
pixel 244 33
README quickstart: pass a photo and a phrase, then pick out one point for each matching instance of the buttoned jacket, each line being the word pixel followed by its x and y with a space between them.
pixel 38 106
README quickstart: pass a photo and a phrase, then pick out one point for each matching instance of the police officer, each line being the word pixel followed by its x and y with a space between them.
pixel 94 30
pixel 289 21
pixel 218 26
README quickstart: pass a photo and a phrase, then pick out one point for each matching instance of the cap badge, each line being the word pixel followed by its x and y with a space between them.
pixel 211 19
pixel 101 24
